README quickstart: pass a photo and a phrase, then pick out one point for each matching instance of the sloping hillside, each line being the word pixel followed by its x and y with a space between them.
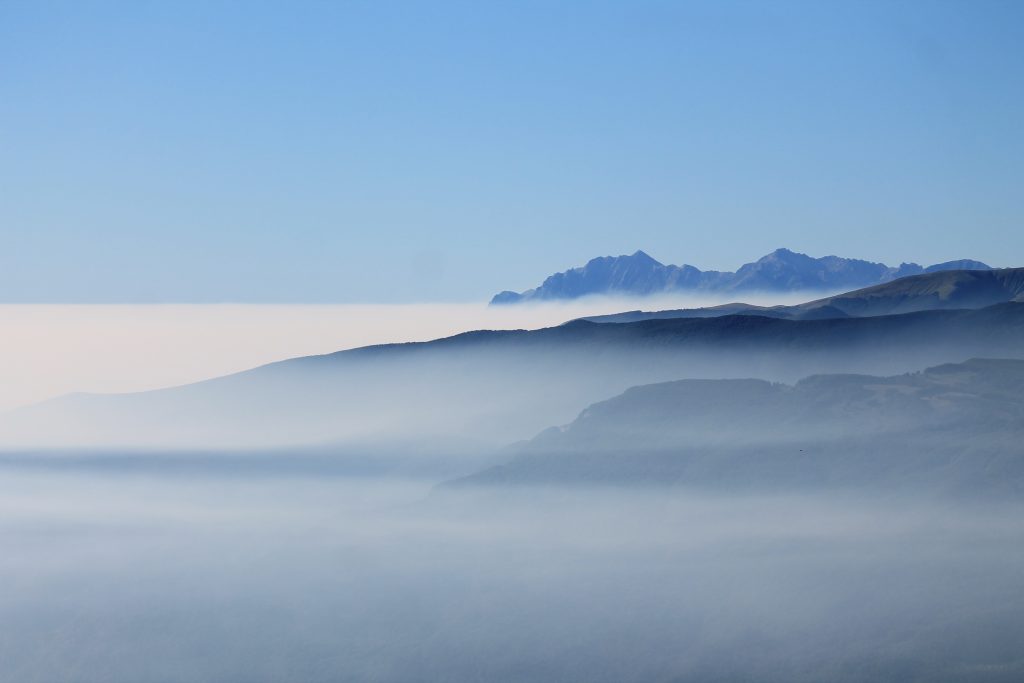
pixel 955 427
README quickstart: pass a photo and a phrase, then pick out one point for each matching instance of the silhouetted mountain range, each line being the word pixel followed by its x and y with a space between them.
pixel 780 271
pixel 499 386
pixel 956 427
pixel 942 290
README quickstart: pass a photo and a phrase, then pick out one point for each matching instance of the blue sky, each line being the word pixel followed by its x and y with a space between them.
pixel 438 151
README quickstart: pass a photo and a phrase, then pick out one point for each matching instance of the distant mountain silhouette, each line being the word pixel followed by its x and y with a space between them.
pixel 938 290
pixel 955 427
pixel 780 271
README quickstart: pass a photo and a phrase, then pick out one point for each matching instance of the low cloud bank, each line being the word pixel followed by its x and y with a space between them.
pixel 50 350
pixel 138 578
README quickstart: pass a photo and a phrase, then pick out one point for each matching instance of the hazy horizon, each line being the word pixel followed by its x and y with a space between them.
pixel 137 347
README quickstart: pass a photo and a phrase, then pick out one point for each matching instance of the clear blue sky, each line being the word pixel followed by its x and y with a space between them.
pixel 381 151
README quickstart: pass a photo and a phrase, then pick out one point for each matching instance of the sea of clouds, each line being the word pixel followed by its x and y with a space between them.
pixel 51 350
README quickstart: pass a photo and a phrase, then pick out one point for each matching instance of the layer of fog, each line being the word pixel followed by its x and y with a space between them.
pixel 462 396
pixel 50 350
pixel 116 577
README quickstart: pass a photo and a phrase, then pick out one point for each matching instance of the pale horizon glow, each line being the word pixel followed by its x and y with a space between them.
pixel 49 350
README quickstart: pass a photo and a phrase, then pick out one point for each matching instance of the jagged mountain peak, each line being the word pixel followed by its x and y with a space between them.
pixel 783 270
pixel 640 254
pixel 784 254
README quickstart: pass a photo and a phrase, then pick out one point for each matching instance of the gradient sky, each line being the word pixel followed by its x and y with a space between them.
pixel 438 151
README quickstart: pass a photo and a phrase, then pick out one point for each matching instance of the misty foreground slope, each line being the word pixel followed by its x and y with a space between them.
pixel 957 427
pixel 504 386
pixel 944 290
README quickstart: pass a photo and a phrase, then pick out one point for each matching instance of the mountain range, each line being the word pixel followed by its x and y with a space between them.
pixel 494 387
pixel 941 290
pixel 782 270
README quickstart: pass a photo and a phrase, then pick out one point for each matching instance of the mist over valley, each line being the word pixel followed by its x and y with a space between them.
pixel 817 491
pixel 512 342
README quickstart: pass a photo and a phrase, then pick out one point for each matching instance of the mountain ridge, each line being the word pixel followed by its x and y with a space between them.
pixel 954 427
pixel 783 270
pixel 939 290
pixel 502 386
